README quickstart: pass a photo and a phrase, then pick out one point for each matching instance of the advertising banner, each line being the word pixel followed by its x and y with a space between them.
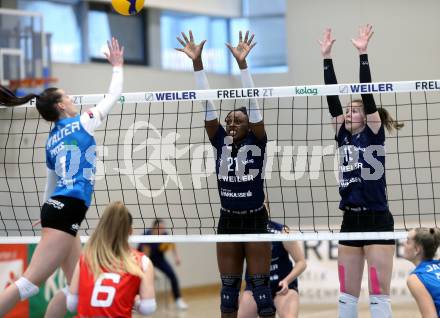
pixel 13 262
pixel 320 283
pixel 14 259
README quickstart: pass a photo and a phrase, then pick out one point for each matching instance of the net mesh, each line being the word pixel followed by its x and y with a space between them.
pixel 154 155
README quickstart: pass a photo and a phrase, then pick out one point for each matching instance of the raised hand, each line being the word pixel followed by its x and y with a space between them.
pixel 326 43
pixel 115 54
pixel 241 51
pixel 361 42
pixel 190 48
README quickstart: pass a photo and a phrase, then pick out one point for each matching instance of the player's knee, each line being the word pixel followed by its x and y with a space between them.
pixel 26 288
pixel 262 295
pixel 229 293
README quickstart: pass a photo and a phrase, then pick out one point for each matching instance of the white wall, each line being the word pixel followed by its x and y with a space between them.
pixel 199 264
pixel 95 78
pixel 405 46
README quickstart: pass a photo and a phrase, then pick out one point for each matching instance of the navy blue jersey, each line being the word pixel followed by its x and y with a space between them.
pixel 428 273
pixel 280 265
pixel 362 169
pixel 239 170
pixel 71 152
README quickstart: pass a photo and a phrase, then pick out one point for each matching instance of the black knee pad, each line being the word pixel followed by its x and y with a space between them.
pixel 262 295
pixel 229 293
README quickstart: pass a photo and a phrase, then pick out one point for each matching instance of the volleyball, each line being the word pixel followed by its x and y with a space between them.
pixel 128 7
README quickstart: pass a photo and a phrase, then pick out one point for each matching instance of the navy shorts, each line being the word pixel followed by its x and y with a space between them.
pixel 367 221
pixel 64 214
pixel 244 222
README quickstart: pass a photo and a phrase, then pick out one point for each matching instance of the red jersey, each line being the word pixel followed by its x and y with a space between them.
pixel 111 295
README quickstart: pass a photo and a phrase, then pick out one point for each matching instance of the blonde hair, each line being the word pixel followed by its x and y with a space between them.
pixel 108 248
pixel 428 239
pixel 389 122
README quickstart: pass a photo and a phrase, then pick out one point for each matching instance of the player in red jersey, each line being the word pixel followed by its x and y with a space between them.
pixel 110 274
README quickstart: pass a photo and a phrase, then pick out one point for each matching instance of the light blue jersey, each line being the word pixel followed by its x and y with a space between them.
pixel 428 273
pixel 71 152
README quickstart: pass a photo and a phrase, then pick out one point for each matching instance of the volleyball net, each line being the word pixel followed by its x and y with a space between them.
pixel 154 155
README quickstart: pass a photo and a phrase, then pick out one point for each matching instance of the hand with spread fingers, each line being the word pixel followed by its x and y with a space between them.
pixel 326 43
pixel 241 51
pixel 361 42
pixel 190 48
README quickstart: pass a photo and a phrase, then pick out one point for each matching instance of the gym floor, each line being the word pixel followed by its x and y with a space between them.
pixel 204 302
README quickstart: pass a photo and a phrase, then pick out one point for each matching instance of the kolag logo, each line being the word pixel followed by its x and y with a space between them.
pixel 306 91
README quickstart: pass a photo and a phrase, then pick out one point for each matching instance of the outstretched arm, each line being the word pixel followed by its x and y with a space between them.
pixel 334 104
pixel 115 56
pixel 194 52
pixel 93 117
pixel 240 52
pixel 361 44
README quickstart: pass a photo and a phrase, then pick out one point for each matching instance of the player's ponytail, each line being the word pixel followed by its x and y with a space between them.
pixel 8 98
pixel 45 102
pixel 389 122
pixel 429 240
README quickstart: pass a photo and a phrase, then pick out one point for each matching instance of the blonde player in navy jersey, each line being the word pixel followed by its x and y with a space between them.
pixel 283 278
pixel 239 167
pixel 360 135
pixel 70 159
pixel 424 280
